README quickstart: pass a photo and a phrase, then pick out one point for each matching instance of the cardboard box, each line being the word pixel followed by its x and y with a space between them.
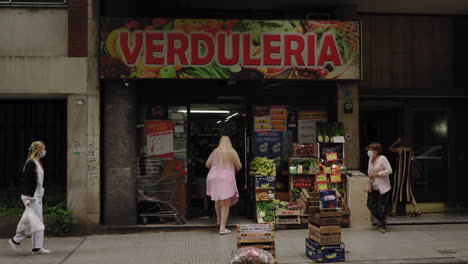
pixel 265 181
pixel 325 254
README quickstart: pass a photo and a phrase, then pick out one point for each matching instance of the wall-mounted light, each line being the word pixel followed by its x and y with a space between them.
pixel 206 111
pixel 125 81
pixel 80 102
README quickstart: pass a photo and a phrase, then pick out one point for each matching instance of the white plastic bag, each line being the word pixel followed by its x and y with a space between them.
pixel 251 255
pixel 29 222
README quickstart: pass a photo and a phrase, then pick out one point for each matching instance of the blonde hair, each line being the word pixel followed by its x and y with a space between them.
pixel 33 149
pixel 226 153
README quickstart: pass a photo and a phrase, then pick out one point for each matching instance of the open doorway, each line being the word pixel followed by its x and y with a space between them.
pixel 207 123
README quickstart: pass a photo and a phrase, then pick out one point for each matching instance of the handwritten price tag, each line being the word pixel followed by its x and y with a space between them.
pixel 336 178
pixel 321 178
pixel 322 187
pixel 332 156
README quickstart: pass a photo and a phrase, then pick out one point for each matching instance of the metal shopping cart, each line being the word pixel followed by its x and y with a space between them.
pixel 155 194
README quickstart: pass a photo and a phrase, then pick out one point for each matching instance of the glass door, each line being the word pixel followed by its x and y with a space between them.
pixel 430 141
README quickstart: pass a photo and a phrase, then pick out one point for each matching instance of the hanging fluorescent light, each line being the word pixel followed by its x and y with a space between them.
pixel 231 116
pixel 205 111
pixel 218 122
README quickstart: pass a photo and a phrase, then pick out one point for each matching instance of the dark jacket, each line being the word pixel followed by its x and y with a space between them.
pixel 30 178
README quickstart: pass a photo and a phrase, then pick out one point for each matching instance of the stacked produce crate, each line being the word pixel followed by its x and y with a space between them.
pixel 263 180
pixel 258 236
pixel 324 244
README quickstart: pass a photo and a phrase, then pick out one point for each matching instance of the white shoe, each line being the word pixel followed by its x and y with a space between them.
pixel 41 251
pixel 16 247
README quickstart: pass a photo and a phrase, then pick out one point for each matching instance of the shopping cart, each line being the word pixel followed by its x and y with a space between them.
pixel 157 193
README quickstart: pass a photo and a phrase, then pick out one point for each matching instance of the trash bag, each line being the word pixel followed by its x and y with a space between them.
pixel 29 222
pixel 251 255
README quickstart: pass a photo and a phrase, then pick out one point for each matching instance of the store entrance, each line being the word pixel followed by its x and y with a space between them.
pixel 207 123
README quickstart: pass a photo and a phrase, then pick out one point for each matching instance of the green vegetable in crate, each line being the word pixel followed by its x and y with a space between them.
pixel 270 213
pixel 269 219
pixel 270 206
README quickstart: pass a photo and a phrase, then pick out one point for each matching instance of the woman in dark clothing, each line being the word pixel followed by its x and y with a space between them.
pixel 32 194
pixel 402 182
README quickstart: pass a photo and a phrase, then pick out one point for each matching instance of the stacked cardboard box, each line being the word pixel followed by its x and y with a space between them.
pixel 324 244
pixel 258 236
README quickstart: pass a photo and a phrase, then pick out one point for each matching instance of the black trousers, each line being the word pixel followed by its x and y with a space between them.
pixel 378 205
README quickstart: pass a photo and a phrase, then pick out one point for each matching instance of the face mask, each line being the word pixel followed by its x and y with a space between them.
pixel 43 153
pixel 370 154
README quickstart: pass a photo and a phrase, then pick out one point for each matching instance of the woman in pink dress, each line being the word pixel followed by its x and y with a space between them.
pixel 221 185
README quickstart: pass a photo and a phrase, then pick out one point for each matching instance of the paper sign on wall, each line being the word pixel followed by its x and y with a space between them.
pixel 307 125
pixel 160 139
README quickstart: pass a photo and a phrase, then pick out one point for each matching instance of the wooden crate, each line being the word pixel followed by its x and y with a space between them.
pixel 288 219
pixel 270 247
pixel 325 235
pixel 324 218
pixel 255 233
pixel 280 212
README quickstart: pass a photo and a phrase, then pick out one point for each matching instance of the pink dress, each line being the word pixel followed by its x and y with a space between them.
pixel 221 182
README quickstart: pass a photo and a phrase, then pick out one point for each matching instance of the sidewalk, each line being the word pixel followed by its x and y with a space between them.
pixel 402 244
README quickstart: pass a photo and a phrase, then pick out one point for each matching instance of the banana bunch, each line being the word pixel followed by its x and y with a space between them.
pixel 113 43
pixel 263 167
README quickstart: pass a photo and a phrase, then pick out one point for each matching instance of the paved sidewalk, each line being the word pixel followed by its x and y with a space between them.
pixel 402 244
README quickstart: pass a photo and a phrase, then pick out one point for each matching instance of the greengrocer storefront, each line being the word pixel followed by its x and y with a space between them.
pixel 282 90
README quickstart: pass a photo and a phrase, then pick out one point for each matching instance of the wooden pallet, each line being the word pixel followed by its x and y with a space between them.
pixel 325 235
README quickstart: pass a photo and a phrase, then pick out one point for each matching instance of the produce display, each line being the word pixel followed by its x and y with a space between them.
pixel 263 167
pixel 326 131
pixel 295 194
pixel 251 255
pixel 303 166
pixel 302 182
pixel 304 150
pixel 265 212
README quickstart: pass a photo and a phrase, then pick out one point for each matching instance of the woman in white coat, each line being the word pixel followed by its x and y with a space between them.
pixel 32 194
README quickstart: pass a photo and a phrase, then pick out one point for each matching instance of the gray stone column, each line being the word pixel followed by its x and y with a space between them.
pixel 119 147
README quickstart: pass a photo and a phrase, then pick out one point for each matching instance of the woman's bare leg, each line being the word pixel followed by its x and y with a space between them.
pixel 218 211
pixel 224 214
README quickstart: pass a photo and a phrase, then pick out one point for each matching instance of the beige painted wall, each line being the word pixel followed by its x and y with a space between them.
pixel 33 32
pixel 43 75
pixel 34 65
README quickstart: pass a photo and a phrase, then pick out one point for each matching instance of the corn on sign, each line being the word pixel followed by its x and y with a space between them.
pixel 229 49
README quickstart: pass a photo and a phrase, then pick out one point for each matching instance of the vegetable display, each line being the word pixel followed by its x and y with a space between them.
pixel 326 131
pixel 263 167
pixel 265 212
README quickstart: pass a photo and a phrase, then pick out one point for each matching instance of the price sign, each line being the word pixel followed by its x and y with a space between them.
pixel 322 187
pixel 332 156
pixel 321 178
pixel 336 178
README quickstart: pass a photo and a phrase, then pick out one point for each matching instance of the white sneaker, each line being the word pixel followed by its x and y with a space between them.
pixel 16 247
pixel 41 251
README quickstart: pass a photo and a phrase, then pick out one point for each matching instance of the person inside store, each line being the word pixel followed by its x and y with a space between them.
pixel 403 177
pixel 223 164
pixel 32 193
pixel 199 154
pixel 379 185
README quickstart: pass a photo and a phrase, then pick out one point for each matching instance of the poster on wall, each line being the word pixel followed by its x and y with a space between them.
pixel 262 118
pixel 278 115
pixel 307 125
pixel 268 144
pixel 155 48
pixel 160 139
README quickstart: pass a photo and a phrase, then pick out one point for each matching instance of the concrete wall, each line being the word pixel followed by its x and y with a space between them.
pixel 34 64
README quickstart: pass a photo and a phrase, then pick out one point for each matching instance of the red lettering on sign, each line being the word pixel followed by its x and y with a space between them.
pixel 207 39
pixel 173 51
pixel 268 50
pixel 247 59
pixel 290 52
pixel 222 58
pixel 151 48
pixel 131 54
pixel 329 51
pixel 311 50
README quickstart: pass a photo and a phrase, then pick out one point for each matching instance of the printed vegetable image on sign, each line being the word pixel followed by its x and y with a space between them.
pixel 229 49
